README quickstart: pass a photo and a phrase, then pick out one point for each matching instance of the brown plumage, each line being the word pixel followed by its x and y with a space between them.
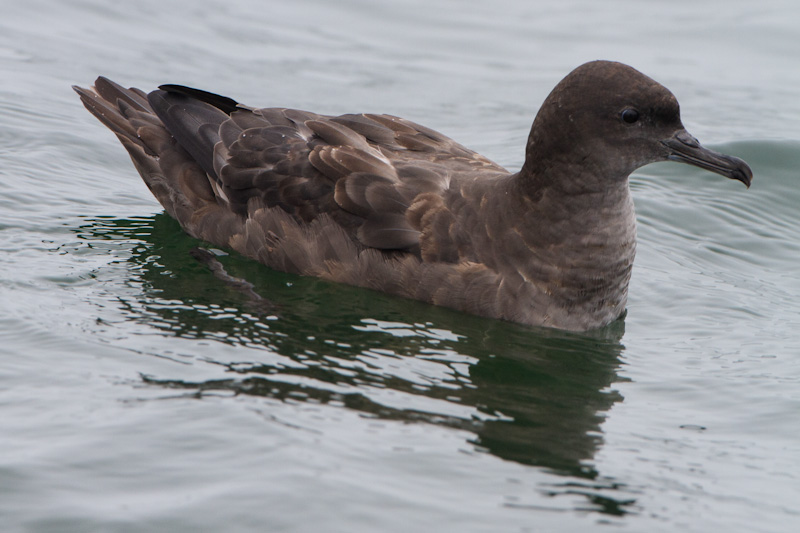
pixel 381 202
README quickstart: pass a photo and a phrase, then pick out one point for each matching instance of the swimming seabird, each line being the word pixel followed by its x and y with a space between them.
pixel 380 202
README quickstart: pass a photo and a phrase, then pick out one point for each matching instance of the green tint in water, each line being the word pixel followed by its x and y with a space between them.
pixel 139 393
pixel 536 397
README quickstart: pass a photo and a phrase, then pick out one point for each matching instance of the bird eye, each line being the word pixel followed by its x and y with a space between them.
pixel 629 115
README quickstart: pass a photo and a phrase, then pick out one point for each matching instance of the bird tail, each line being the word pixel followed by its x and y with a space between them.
pixel 179 183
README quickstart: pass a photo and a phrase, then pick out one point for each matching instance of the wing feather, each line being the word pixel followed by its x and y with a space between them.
pixel 364 172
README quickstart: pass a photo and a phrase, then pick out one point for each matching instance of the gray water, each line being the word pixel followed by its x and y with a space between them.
pixel 138 393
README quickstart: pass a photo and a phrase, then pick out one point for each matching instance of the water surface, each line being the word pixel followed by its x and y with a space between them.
pixel 140 393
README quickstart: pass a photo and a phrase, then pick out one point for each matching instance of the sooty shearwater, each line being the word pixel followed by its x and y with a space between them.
pixel 380 202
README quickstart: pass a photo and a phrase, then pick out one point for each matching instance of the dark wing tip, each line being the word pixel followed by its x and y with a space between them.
pixel 223 103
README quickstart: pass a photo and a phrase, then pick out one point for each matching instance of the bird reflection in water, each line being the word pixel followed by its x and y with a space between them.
pixel 535 396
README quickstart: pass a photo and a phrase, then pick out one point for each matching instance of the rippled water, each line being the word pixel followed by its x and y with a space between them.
pixel 138 393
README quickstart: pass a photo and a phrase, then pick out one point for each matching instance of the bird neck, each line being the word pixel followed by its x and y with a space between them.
pixel 578 206
pixel 582 243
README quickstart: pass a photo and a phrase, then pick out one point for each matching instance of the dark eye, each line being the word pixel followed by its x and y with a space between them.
pixel 629 115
